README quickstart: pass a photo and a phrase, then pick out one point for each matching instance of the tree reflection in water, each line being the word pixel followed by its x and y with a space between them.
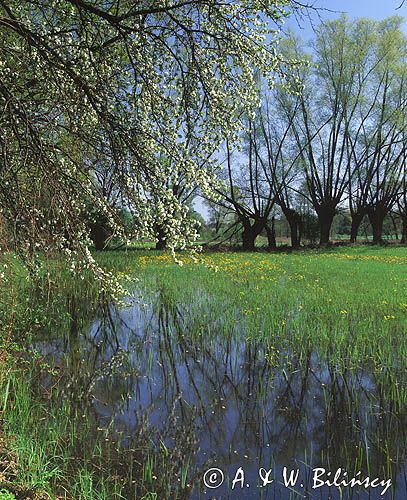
pixel 146 374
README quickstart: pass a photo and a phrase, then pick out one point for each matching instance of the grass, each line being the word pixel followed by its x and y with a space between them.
pixel 6 495
pixel 347 305
pixel 353 301
pixel 40 441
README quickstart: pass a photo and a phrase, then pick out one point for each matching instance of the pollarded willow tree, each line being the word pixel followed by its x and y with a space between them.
pixel 128 83
pixel 330 94
pixel 348 125
pixel 377 145
pixel 245 191
pixel 280 156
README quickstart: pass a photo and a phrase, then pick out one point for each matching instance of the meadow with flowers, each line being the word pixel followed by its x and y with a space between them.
pixel 352 300
pixel 125 398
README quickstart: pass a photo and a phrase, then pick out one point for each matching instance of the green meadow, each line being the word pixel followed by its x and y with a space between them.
pixel 331 322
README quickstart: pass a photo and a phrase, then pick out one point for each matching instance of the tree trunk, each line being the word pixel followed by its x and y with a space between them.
pixel 161 244
pixel 376 218
pixel 396 233
pixel 295 231
pixel 250 233
pixel 99 234
pixel 325 219
pixel 404 230
pixel 294 221
pixel 357 218
pixel 161 239
pixel 248 239
pixel 271 235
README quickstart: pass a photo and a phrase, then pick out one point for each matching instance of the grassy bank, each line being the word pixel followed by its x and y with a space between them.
pixel 39 430
pixel 346 306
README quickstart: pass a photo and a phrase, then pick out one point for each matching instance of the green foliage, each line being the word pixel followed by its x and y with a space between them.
pixel 6 495
pixel 310 227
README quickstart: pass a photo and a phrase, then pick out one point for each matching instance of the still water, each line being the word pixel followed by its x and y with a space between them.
pixel 230 405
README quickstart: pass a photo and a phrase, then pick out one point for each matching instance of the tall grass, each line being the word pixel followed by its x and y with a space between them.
pixel 346 307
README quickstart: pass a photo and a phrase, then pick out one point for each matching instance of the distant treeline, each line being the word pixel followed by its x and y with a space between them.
pixel 326 150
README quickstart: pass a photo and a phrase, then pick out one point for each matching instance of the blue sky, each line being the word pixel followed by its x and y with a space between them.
pixel 330 9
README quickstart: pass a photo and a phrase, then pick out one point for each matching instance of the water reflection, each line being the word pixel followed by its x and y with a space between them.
pixel 226 402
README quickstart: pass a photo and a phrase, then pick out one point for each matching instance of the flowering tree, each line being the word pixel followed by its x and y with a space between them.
pixel 128 83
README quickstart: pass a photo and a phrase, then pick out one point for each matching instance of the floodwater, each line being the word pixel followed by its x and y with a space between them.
pixel 229 404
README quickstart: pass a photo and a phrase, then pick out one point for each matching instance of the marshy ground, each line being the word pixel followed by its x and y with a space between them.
pixel 234 359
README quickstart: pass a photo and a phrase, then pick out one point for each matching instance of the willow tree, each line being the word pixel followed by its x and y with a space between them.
pixel 86 78
pixel 280 156
pixel 345 93
pixel 245 191
pixel 377 144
